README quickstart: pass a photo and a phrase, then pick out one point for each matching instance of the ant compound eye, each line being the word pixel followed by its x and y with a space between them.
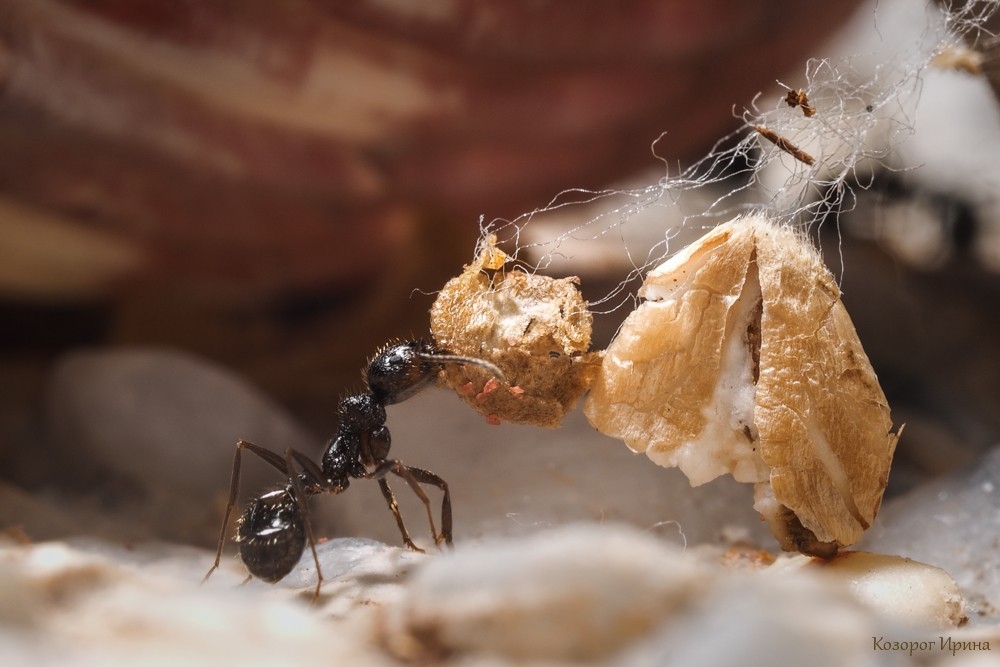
pixel 271 535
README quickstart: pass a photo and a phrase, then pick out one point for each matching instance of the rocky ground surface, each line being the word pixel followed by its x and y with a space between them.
pixel 569 549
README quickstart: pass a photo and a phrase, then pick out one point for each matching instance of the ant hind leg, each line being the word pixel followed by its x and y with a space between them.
pixel 311 470
pixel 234 488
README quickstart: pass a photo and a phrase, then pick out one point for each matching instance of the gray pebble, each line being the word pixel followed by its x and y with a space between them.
pixel 155 430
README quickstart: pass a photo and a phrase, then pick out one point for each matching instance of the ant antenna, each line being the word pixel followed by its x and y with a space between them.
pixel 457 359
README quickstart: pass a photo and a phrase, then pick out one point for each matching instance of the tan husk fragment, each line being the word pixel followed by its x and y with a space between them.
pixel 744 360
pixel 536 329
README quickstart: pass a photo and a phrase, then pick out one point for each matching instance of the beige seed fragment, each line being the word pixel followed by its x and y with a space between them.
pixel 536 329
pixel 743 360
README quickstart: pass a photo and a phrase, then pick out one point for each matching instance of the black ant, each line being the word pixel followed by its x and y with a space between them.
pixel 274 528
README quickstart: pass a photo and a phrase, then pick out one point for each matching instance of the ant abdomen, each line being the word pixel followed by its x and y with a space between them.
pixel 271 535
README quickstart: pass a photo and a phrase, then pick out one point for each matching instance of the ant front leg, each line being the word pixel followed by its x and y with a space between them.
pixel 269 457
pixel 427 477
pixel 414 477
pixel 390 498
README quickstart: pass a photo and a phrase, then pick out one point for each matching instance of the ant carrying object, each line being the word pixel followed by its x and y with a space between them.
pixel 274 528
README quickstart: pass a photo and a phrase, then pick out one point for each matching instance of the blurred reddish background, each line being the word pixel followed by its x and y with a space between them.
pixel 267 182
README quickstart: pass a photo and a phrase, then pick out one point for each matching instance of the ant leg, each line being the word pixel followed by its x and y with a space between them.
pixel 413 477
pixel 234 487
pixel 394 508
pixel 427 477
pixel 309 469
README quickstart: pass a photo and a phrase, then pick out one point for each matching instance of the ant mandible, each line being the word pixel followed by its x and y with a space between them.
pixel 274 528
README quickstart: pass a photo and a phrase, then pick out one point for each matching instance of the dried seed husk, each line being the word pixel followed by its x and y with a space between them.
pixel 744 360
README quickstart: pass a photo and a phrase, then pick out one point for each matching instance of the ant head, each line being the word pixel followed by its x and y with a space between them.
pixel 401 370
